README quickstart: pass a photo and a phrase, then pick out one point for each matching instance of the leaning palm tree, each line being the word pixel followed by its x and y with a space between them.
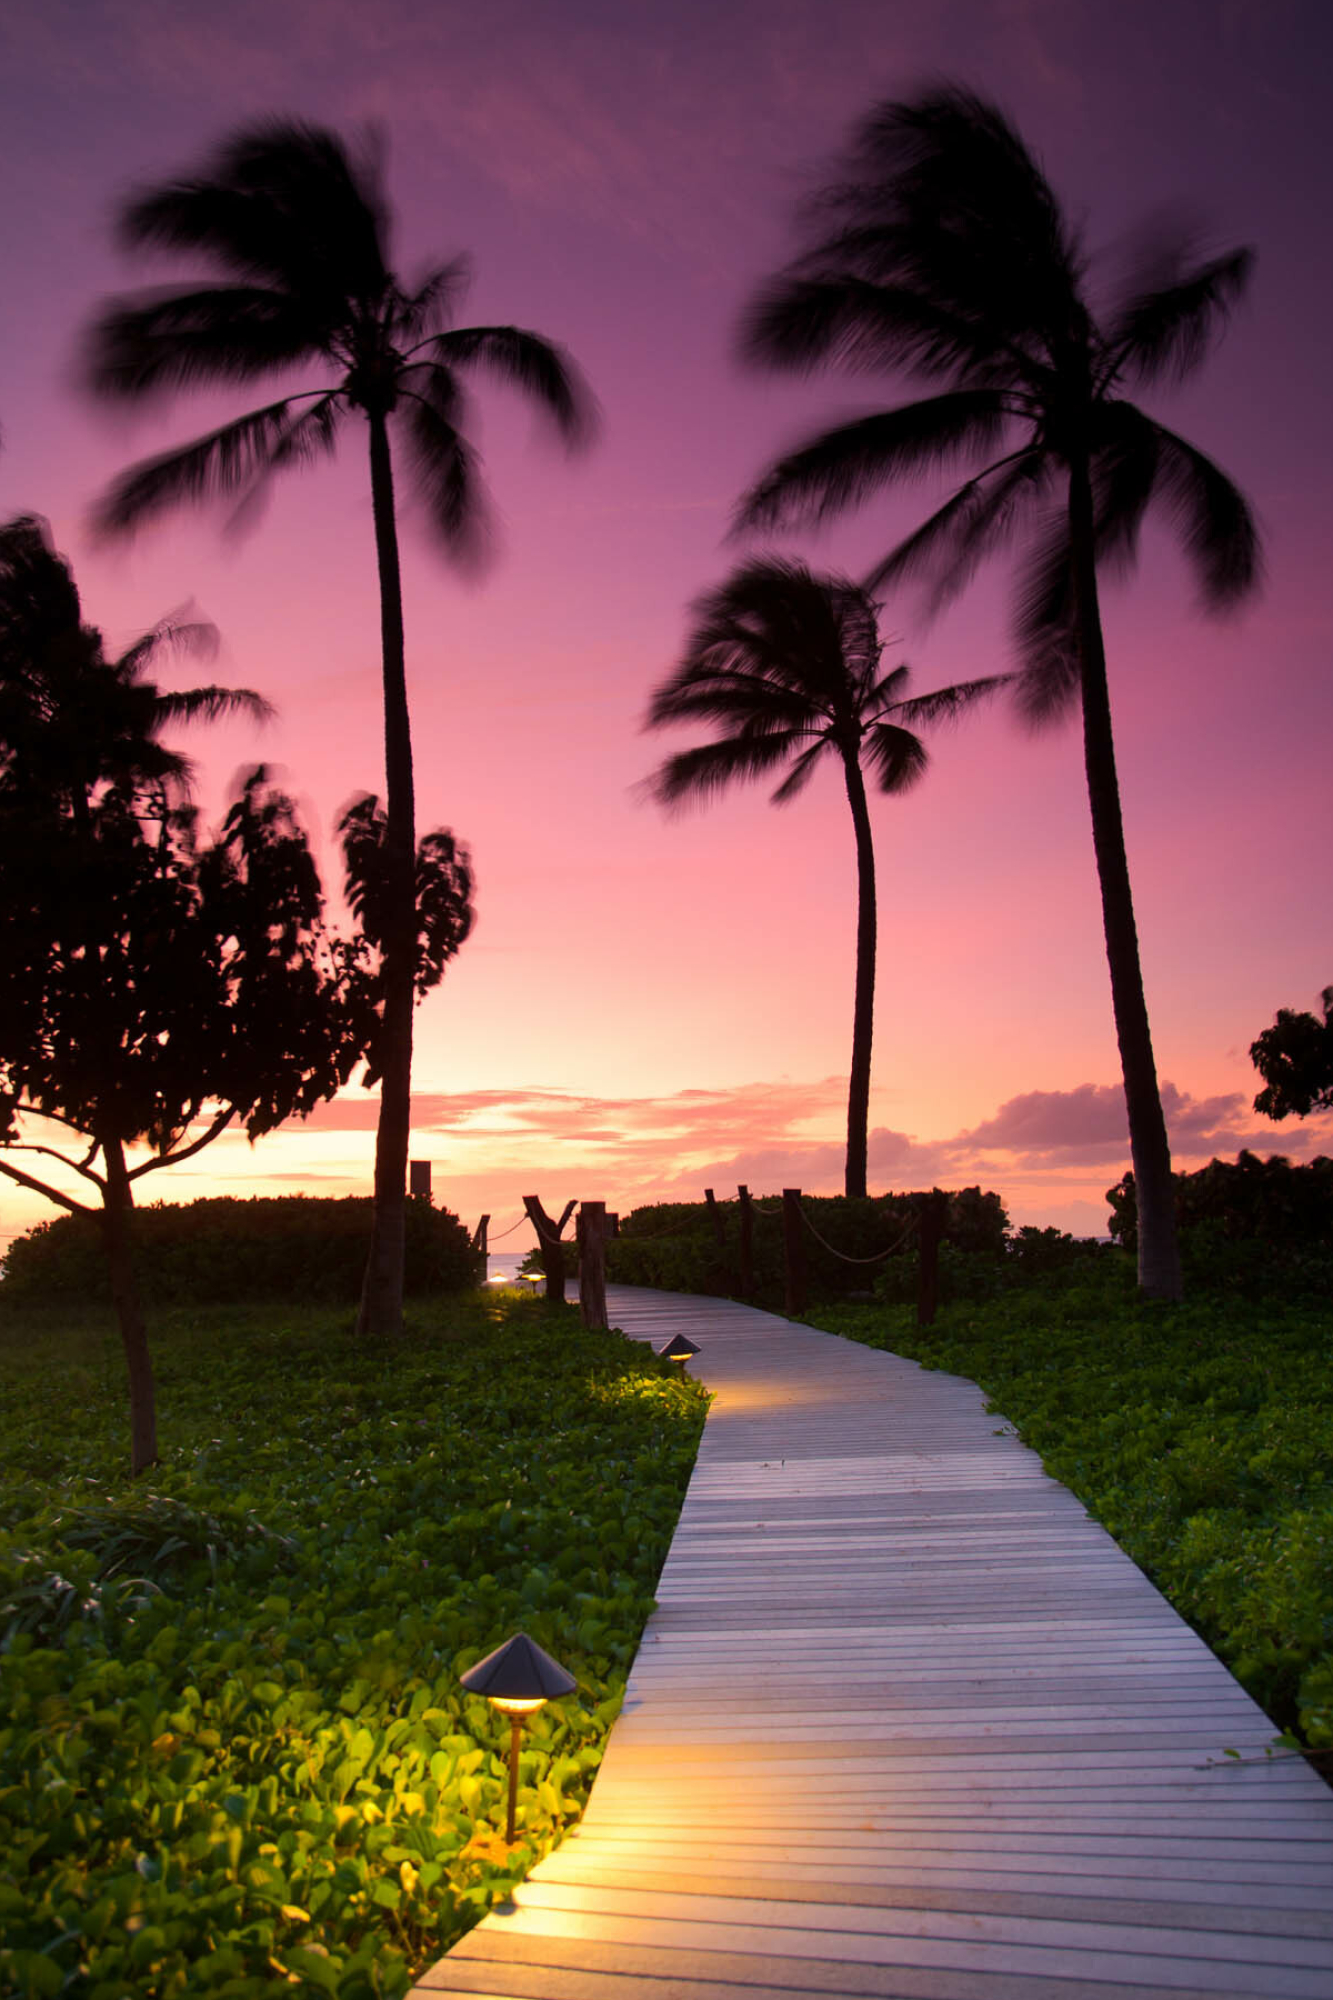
pixel 943 253
pixel 786 663
pixel 72 720
pixel 298 231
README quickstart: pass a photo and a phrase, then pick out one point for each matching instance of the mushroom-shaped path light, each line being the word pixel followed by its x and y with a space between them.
pixel 517 1678
pixel 678 1349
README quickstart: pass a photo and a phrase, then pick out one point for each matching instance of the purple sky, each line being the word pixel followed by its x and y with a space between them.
pixel 652 1005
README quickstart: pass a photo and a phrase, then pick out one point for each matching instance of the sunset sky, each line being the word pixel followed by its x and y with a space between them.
pixel 651 1006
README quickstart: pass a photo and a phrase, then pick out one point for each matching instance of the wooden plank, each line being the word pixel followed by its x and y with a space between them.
pixel 906 1724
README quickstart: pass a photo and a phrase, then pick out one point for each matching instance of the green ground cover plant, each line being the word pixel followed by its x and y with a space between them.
pixel 235 1758
pixel 1200 1435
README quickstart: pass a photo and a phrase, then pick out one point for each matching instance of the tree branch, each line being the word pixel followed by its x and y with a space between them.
pixel 170 1157
pixel 40 1187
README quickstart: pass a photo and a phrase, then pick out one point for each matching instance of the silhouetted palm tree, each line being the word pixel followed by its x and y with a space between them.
pixel 71 719
pixel 787 664
pixel 943 254
pixel 300 231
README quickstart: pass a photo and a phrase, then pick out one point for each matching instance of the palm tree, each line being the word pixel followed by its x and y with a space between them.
pixel 943 253
pixel 298 232
pixel 72 720
pixel 787 664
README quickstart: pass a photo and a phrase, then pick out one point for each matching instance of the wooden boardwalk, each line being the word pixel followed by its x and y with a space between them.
pixel 908 1724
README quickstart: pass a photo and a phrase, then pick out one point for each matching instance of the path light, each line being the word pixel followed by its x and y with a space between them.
pixel 678 1349
pixel 517 1678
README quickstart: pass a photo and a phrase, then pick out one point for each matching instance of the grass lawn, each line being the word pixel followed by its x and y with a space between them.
pixel 234 1755
pixel 1200 1435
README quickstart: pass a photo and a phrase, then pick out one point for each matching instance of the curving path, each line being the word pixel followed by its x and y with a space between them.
pixel 908 1724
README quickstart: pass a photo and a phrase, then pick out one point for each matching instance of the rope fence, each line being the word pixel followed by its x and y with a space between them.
pixel 928 1222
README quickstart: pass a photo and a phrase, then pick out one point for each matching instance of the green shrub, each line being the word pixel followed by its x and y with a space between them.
pixel 222 1250
pixel 674 1246
pixel 1247 1226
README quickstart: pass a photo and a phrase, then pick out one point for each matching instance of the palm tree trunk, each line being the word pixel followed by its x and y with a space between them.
pixel 381 1311
pixel 863 1016
pixel 1159 1255
pixel 117 1207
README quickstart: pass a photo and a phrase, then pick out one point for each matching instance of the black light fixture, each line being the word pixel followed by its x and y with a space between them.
pixel 517 1678
pixel 678 1349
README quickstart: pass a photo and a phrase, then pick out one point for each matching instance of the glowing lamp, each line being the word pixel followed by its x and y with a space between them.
pixel 517 1678
pixel 679 1349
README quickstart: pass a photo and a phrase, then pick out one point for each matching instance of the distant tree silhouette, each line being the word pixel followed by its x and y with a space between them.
pixel 70 719
pixel 299 230
pixel 942 252
pixel 1295 1059
pixel 786 664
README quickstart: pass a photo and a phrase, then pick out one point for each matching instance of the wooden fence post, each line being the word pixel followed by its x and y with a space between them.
pixel 934 1222
pixel 747 1243
pixel 715 1217
pixel 592 1264
pixel 549 1248
pixel 793 1253
pixel 479 1240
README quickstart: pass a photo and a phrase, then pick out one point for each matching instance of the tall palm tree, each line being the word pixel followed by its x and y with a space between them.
pixel 298 232
pixel 787 664
pixel 72 720
pixel 942 253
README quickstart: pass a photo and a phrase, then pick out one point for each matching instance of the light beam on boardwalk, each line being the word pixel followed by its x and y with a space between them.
pixel 908 1724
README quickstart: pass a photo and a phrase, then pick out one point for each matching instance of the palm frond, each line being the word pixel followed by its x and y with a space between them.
pixel 1047 686
pixel 1124 473
pixel 445 468
pixel 709 768
pixel 528 362
pixel 193 638
pixel 948 703
pixel 280 200
pixel 230 459
pixel 897 758
pixel 844 465
pixel 1163 333
pixel 210 704
pixel 172 338
pixel 800 773
pixel 1213 520
pixel 708 689
pixel 942 195
pixel 802 321
pixel 432 305
pixel 951 545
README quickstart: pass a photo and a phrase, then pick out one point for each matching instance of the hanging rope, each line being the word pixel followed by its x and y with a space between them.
pixel 500 1234
pixel 842 1256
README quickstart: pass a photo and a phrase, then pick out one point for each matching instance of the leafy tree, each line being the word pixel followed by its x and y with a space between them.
pixel 158 990
pixel 942 253
pixel 297 231
pixel 70 719
pixel 1295 1059
pixel 787 665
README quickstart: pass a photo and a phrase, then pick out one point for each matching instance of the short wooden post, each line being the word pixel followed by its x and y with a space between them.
pixel 715 1217
pixel 747 1243
pixel 934 1222
pixel 592 1264
pixel 479 1240
pixel 549 1247
pixel 793 1253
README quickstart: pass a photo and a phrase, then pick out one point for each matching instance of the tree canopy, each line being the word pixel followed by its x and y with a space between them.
pixel 1295 1059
